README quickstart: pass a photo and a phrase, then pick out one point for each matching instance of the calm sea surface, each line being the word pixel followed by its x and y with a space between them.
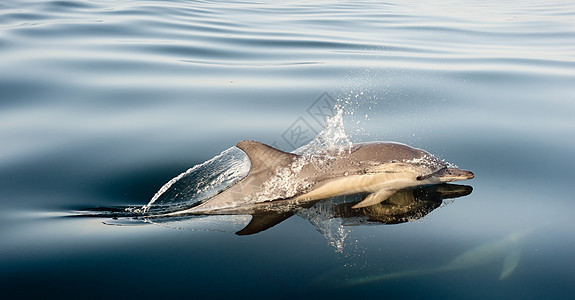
pixel 102 102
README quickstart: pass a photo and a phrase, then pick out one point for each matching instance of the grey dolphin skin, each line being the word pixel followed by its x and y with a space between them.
pixel 378 168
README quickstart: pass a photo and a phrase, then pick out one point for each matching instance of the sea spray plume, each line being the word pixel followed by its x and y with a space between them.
pixel 322 217
pixel 199 183
pixel 332 136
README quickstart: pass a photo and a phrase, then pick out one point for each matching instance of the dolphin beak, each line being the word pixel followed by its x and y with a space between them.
pixel 452 174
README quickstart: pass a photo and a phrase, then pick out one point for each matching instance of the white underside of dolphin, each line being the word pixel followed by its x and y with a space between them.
pixel 378 168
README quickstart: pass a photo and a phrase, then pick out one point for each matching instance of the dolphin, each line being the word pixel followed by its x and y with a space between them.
pixel 507 249
pixel 378 168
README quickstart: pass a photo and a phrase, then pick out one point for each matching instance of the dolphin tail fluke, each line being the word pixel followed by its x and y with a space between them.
pixel 510 263
pixel 375 198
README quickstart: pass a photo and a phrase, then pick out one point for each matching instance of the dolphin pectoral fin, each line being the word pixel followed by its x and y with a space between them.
pixel 263 221
pixel 510 263
pixel 375 198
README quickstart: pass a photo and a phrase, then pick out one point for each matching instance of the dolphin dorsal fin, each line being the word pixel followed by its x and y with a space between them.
pixel 261 222
pixel 264 157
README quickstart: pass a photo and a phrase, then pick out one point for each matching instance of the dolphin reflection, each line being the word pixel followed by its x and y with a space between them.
pixel 404 206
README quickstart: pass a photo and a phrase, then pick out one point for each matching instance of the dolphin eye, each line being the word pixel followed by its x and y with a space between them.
pixel 423 177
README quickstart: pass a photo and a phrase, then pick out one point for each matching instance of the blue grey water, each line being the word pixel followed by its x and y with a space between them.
pixel 102 102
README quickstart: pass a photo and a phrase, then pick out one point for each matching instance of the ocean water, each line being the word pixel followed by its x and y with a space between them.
pixel 103 102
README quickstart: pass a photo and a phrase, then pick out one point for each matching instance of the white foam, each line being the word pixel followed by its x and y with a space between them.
pixel 202 181
pixel 332 136
pixel 205 180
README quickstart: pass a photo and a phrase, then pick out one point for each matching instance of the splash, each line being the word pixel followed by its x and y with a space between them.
pixel 322 217
pixel 200 182
pixel 333 136
pixel 203 181
pixel 285 184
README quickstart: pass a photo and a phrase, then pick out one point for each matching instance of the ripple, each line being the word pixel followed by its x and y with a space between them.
pixel 254 64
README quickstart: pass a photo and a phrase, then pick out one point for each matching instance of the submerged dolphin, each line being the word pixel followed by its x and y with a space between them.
pixel 378 168
pixel 507 249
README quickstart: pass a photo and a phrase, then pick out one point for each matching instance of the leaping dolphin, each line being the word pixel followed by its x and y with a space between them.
pixel 378 168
